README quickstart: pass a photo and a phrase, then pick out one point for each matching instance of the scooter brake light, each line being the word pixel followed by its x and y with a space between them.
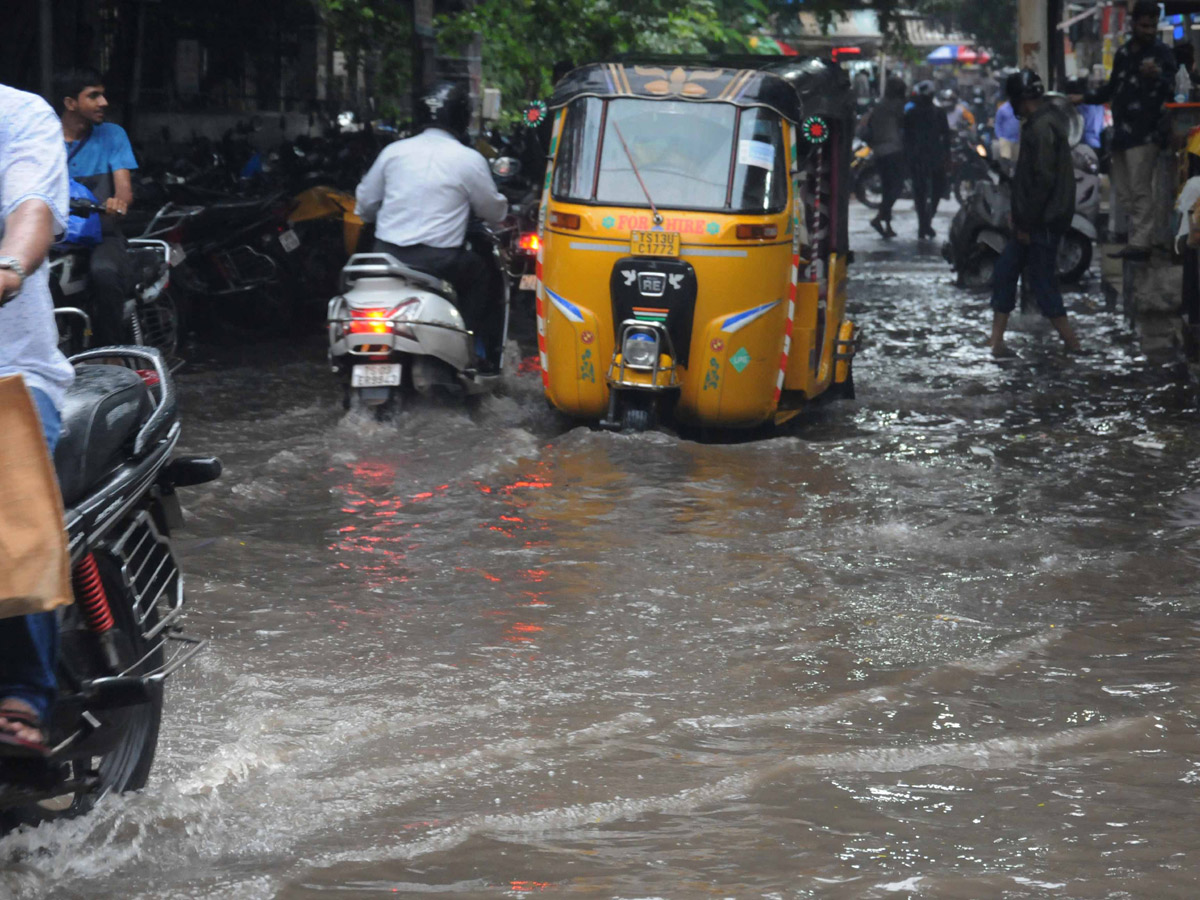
pixel 529 242
pixel 369 321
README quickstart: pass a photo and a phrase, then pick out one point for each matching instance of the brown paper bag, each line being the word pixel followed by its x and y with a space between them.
pixel 34 563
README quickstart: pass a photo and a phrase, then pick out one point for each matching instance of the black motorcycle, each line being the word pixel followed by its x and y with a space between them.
pixel 121 638
pixel 968 166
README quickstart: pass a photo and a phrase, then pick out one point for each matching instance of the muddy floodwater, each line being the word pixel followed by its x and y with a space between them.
pixel 940 641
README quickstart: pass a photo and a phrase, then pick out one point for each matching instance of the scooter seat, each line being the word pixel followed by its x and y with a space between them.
pixel 102 412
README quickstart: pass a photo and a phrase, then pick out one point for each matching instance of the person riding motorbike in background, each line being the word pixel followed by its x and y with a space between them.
pixel 100 157
pixel 927 152
pixel 33 194
pixel 1043 204
pixel 420 192
pixel 958 115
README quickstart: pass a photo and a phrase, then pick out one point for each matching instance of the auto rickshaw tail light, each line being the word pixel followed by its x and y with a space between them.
pixel 564 220
pixel 757 232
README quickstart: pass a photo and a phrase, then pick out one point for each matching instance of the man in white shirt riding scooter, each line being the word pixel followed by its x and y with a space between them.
pixel 421 191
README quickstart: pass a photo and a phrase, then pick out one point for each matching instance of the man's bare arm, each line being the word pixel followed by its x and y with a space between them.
pixel 28 234
pixel 122 197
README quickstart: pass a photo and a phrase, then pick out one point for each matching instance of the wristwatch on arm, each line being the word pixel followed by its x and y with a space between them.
pixel 13 265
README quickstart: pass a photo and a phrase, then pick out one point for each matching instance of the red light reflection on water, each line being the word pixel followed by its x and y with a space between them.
pixel 380 533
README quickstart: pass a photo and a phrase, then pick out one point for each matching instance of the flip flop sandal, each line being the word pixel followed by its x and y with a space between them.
pixel 13 746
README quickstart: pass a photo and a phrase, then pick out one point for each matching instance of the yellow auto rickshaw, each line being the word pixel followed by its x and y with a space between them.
pixel 693 243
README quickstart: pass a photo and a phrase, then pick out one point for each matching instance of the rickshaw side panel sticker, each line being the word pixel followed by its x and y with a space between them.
pixel 712 378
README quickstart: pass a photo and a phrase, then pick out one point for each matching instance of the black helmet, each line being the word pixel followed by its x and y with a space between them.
pixel 446 105
pixel 924 91
pixel 1023 85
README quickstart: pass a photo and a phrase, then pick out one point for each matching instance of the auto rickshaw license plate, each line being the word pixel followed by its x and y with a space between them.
pixel 655 243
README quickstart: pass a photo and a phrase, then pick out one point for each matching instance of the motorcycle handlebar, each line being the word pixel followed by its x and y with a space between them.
pixel 81 206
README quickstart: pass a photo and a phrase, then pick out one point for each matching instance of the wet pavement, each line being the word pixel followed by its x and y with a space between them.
pixel 940 641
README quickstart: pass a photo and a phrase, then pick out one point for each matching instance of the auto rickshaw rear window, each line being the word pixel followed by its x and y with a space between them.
pixel 704 156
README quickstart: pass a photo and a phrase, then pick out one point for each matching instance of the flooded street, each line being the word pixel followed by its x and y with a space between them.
pixel 940 641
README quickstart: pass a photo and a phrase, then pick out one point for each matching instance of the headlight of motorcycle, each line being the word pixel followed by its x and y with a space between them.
pixel 640 350
pixel 981 150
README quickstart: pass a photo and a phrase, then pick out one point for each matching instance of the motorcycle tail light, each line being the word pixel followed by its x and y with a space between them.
pixel 369 321
pixel 529 243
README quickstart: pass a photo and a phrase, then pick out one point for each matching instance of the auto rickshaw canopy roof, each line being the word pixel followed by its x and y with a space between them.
pixel 681 79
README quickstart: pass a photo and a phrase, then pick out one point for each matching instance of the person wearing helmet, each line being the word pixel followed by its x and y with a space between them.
pixel 1043 204
pixel 420 193
pixel 958 115
pixel 927 153
pixel 1142 81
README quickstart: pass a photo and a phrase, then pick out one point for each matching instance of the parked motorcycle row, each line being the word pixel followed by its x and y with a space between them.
pixel 226 240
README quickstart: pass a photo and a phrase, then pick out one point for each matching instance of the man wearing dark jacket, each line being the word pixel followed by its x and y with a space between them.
pixel 1143 79
pixel 1043 204
pixel 927 153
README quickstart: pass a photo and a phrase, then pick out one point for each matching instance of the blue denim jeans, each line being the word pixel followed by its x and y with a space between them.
pixel 29 644
pixel 1039 260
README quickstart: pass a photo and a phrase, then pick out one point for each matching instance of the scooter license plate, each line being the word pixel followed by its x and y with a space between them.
pixel 379 375
pixel 655 243
pixel 528 283
pixel 289 240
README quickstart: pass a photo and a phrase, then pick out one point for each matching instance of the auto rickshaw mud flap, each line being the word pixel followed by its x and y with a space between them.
pixel 580 351
pixel 734 379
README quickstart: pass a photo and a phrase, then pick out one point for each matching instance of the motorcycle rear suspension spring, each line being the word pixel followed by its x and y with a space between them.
pixel 89 592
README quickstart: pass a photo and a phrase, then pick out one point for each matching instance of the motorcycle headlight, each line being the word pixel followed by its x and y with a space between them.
pixel 640 350
pixel 981 150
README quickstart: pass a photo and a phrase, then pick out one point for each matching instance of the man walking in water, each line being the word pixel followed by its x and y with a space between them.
pixel 1043 204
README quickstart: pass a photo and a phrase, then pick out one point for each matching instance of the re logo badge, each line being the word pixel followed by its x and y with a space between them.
pixel 740 360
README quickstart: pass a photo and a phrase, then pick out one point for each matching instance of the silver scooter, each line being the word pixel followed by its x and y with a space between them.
pixel 395 334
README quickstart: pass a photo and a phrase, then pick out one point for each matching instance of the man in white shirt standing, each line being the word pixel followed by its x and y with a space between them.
pixel 420 193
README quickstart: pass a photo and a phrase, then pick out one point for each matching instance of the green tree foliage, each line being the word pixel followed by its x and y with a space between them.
pixel 376 36
pixel 523 39
pixel 991 24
